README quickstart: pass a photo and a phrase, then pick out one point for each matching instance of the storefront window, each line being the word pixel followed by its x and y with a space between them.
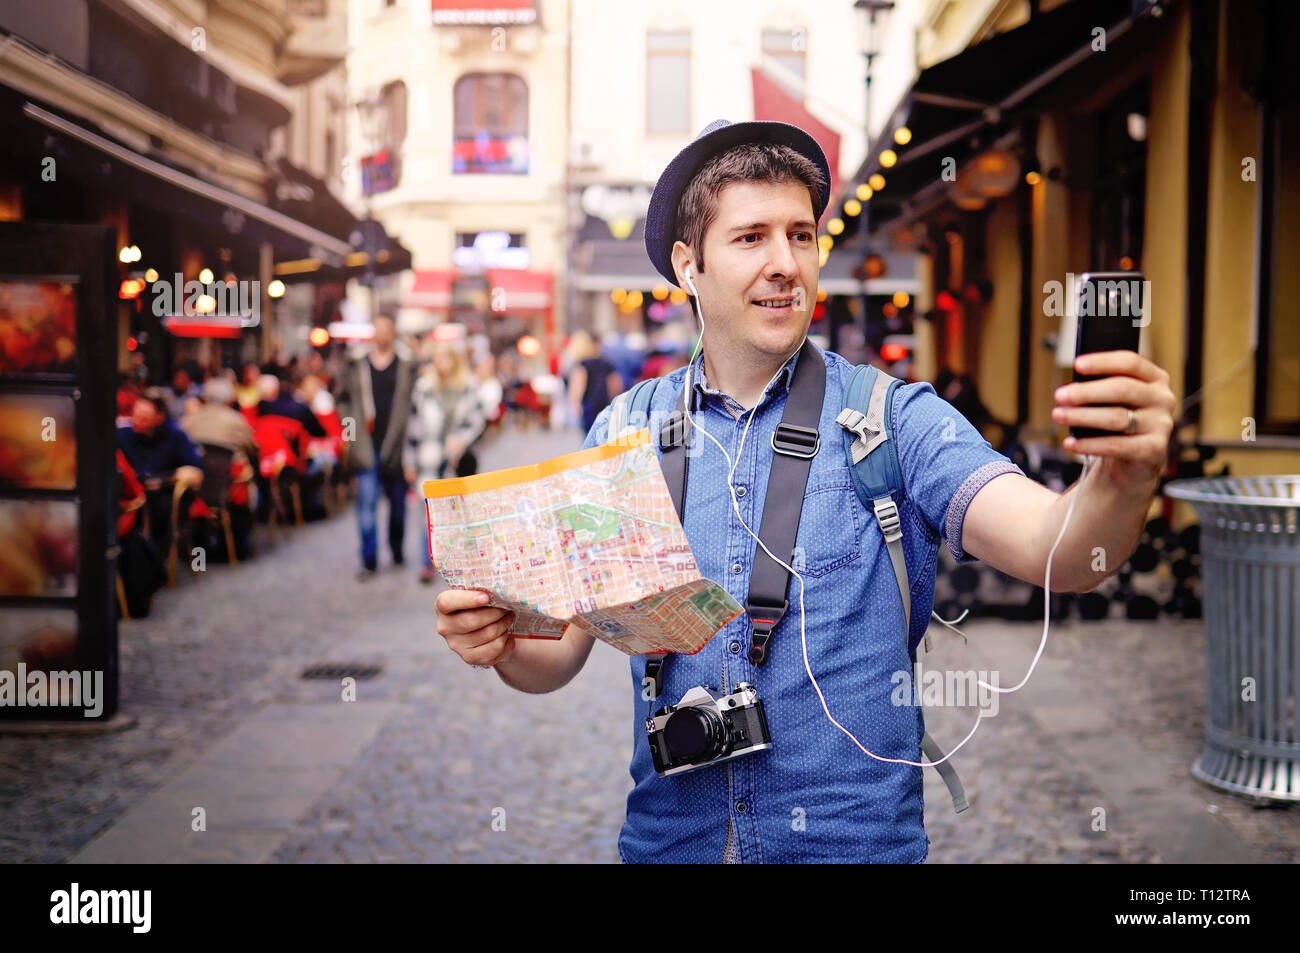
pixel 1280 360
pixel 1119 195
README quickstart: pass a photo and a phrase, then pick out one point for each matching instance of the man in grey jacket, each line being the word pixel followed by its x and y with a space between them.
pixel 375 395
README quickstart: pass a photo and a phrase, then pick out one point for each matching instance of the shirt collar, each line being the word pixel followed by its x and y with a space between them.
pixel 779 385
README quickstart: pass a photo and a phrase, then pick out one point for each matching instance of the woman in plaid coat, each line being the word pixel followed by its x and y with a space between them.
pixel 447 417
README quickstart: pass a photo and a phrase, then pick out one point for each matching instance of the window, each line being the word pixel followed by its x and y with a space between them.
pixel 1119 190
pixel 385 127
pixel 393 96
pixel 785 49
pixel 1277 368
pixel 1277 388
pixel 491 125
pixel 668 82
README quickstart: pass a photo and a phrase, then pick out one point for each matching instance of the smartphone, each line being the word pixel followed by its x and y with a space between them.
pixel 1110 318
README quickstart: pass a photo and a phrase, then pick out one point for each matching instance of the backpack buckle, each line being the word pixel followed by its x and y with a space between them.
pixel 795 441
pixel 673 431
pixel 764 618
pixel 856 423
pixel 654 670
pixel 891 527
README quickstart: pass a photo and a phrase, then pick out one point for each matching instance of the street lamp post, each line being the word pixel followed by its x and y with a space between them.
pixel 873 22
pixel 372 115
pixel 870 32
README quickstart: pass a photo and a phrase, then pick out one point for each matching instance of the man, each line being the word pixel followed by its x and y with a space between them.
pixel 738 208
pixel 181 393
pixel 375 394
pixel 281 426
pixel 214 421
pixel 160 454
pixel 594 383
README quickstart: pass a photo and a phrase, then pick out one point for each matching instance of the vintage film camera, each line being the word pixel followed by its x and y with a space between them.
pixel 700 730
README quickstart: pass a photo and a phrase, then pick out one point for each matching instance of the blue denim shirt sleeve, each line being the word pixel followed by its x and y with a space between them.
pixel 945 461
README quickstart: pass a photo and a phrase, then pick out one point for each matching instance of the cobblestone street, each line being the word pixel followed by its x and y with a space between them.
pixel 437 762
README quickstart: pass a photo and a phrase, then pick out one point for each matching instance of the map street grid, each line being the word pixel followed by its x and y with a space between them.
pixel 589 539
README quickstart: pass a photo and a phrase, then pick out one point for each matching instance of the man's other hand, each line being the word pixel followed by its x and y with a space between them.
pixel 474 630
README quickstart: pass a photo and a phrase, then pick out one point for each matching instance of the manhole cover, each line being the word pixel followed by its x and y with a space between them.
pixel 333 671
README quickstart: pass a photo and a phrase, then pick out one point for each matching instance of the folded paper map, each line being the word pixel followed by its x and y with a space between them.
pixel 589 539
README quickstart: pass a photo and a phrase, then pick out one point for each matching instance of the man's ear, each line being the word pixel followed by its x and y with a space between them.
pixel 682 257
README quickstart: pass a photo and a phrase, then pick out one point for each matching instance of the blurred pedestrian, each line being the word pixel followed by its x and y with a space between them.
pixel 490 392
pixel 375 395
pixel 247 392
pixel 447 421
pixel 594 383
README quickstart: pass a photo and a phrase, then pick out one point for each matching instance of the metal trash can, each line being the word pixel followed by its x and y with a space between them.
pixel 1250 578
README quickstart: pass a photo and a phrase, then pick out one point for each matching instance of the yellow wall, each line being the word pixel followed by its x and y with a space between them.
pixel 1051 243
pixel 1164 252
pixel 1229 366
pixel 999 344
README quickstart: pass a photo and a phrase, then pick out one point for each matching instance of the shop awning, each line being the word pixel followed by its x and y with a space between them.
pixel 273 223
pixel 841 275
pixel 606 262
pixel 773 103
pixel 981 90
pixel 513 290
pixel 615 264
pixel 432 290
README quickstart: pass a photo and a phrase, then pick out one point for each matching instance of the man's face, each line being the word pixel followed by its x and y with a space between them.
pixel 385 332
pixel 145 417
pixel 761 247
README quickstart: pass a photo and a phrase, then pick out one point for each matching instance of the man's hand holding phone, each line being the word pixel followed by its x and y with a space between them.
pixel 1131 398
pixel 474 630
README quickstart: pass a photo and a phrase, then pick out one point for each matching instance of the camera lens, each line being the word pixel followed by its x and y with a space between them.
pixel 694 734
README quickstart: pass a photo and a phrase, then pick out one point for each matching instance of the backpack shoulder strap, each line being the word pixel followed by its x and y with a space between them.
pixel 877 476
pixel 878 479
pixel 630 410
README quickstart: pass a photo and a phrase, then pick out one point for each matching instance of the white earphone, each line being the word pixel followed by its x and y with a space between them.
pixel 803 634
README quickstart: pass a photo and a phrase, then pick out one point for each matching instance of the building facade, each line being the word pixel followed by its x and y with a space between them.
pixel 458 132
pixel 208 133
pixel 1043 140
pixel 647 78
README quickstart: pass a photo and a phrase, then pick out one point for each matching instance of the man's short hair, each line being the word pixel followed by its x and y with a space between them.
pixel 268 386
pixel 158 397
pixel 748 162
pixel 218 390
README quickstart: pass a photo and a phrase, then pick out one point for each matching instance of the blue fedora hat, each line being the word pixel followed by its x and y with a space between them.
pixel 717 137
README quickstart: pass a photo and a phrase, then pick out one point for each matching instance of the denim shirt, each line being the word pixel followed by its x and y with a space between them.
pixel 813 796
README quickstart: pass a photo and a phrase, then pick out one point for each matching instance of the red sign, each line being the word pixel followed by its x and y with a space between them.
pixel 484 12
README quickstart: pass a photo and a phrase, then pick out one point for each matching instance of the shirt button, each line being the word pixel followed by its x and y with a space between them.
pixel 735 648
pixel 741 807
pixel 740 492
pixel 736 569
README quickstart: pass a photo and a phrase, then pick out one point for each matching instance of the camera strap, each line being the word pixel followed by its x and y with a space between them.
pixel 795 442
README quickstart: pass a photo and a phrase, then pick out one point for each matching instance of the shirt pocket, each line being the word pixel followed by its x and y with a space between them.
pixel 831 524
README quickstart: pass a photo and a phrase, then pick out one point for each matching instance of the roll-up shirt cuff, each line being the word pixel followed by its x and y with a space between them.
pixel 961 500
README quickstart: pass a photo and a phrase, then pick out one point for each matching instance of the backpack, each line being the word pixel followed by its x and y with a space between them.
pixel 877 478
